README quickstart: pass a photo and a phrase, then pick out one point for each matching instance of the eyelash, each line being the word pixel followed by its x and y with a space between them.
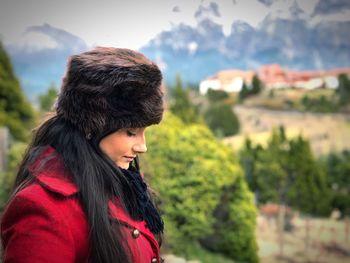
pixel 129 133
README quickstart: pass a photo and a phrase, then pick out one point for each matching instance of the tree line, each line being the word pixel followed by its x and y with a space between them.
pixel 286 170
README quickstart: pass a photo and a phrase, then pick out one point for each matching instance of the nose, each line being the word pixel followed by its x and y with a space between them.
pixel 140 148
pixel 140 145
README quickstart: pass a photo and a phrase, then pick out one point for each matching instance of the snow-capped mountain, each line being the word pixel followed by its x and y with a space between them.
pixel 288 39
pixel 288 35
pixel 38 66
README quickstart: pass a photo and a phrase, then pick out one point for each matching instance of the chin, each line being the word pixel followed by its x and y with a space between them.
pixel 124 166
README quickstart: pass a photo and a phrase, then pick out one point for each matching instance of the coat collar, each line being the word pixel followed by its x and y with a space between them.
pixel 51 173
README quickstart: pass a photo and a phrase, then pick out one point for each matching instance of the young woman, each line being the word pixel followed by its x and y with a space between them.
pixel 79 196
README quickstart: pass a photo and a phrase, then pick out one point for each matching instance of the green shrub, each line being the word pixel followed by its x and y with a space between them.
pixel 319 104
pixel 15 155
pixel 337 165
pixel 191 171
pixel 222 120
pixel 234 217
pixel 341 201
pixel 216 95
pixel 287 172
pixel 197 252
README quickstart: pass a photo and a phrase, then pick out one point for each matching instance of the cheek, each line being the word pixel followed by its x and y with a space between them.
pixel 108 147
pixel 114 146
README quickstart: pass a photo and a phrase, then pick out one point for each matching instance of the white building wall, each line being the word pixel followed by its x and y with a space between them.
pixel 331 82
pixel 209 84
pixel 235 85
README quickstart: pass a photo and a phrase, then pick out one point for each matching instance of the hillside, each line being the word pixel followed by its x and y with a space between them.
pixel 326 132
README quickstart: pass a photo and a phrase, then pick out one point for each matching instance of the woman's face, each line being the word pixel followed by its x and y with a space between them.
pixel 123 145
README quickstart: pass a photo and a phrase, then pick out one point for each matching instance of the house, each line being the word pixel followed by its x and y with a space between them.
pixel 227 80
pixel 274 77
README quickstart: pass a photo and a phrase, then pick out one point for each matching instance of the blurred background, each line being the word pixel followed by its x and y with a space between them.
pixel 252 160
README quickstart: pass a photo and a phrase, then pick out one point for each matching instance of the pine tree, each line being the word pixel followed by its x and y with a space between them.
pixel 181 104
pixel 243 93
pixel 256 85
pixel 287 172
pixel 309 190
pixel 47 100
pixel 343 89
pixel 15 111
pixel 338 169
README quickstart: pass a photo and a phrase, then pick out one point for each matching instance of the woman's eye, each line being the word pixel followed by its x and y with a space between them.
pixel 130 133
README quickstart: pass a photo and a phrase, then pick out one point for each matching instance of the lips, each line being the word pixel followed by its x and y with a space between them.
pixel 129 158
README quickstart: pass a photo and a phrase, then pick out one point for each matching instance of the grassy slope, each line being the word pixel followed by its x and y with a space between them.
pixel 326 131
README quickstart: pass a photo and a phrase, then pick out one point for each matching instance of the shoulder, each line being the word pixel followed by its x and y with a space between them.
pixel 32 199
pixel 36 218
pixel 51 198
pixel 36 198
pixel 52 193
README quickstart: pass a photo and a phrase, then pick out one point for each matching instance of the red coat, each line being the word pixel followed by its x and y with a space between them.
pixel 45 222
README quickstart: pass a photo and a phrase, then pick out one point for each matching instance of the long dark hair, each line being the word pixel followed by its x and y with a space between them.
pixel 98 180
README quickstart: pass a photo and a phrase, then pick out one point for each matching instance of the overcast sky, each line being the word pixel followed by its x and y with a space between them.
pixel 133 23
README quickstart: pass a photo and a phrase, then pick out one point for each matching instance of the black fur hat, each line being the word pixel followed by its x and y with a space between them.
pixel 106 89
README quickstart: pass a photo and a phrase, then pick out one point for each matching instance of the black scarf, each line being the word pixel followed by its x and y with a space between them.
pixel 146 210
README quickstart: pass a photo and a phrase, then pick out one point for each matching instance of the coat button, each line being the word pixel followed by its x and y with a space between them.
pixel 135 233
pixel 154 260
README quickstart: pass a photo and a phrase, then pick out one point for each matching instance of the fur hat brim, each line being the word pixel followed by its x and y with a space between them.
pixel 107 89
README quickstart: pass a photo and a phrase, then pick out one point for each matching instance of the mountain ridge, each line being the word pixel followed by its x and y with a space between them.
pixel 196 52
